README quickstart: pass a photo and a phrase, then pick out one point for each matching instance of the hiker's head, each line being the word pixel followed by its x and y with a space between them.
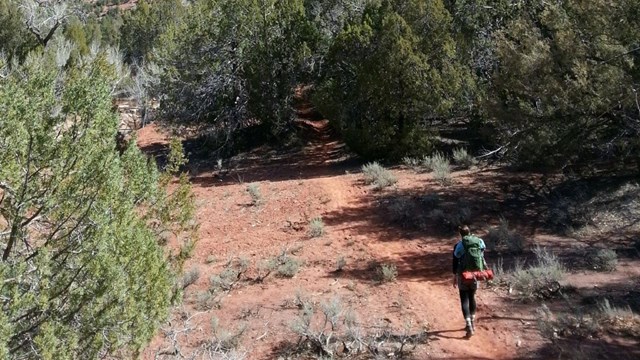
pixel 464 230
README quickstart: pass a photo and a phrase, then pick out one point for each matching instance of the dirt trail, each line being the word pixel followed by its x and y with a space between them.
pixel 321 180
pixel 434 299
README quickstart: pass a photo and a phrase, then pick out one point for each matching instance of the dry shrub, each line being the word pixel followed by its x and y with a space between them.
pixel 580 322
pixel 190 277
pixel 538 281
pixel 316 227
pixel 377 175
pixel 386 273
pixel 462 158
pixel 289 267
pixel 256 195
pixel 405 212
pixel 502 238
pixel 460 215
pixel 602 260
pixel 330 330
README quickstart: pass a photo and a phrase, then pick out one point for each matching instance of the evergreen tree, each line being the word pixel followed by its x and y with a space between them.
pixel 230 64
pixel 142 26
pixel 82 274
pixel 390 75
pixel 565 88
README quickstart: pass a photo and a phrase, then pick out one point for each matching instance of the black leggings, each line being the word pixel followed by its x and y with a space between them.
pixel 468 301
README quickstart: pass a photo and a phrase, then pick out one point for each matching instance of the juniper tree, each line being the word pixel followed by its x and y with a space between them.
pixel 82 274
pixel 231 64
pixel 565 90
pixel 389 75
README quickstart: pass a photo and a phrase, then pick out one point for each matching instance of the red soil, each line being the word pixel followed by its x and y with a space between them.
pixel 322 180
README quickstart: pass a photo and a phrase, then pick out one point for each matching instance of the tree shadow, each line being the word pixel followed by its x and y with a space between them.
pixel 589 348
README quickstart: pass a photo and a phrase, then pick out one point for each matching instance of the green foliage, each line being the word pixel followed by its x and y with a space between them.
pixel 386 76
pixel 232 65
pixel 143 26
pixel 82 274
pixel 15 39
pixel 565 89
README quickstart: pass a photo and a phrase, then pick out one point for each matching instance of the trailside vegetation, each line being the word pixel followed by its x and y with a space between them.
pixel 82 270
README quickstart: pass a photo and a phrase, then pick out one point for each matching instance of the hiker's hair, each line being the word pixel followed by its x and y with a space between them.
pixel 464 230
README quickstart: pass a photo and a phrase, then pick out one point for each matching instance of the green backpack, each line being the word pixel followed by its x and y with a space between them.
pixel 472 259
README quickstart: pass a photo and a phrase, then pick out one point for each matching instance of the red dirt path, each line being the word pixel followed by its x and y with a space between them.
pixel 322 180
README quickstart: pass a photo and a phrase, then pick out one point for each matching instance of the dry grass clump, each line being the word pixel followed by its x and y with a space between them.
pixel 256 195
pixel 376 175
pixel 316 227
pixel 540 280
pixel 462 158
pixel 330 330
pixel 439 164
pixel 578 322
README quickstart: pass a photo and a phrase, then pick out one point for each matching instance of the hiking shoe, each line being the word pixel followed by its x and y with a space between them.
pixel 469 329
pixel 473 323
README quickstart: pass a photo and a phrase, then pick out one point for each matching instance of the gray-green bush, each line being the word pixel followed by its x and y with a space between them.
pixel 376 175
pixel 256 195
pixel 316 227
pixel 540 280
pixel 462 158
pixel 386 273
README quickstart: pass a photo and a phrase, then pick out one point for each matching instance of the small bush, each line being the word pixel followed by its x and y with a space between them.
pixel 442 172
pixel 316 227
pixel 377 175
pixel 190 277
pixel 620 321
pixel 430 200
pixel 256 196
pixel 205 301
pixel 230 275
pixel 578 322
pixel 387 273
pixel 538 281
pixel 604 260
pixel 340 263
pixel 225 340
pixel 411 162
pixel 436 159
pixel 462 158
pixel 501 238
pixel 289 267
pixel 404 211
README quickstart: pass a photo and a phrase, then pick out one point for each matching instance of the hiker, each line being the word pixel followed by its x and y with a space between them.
pixel 468 254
